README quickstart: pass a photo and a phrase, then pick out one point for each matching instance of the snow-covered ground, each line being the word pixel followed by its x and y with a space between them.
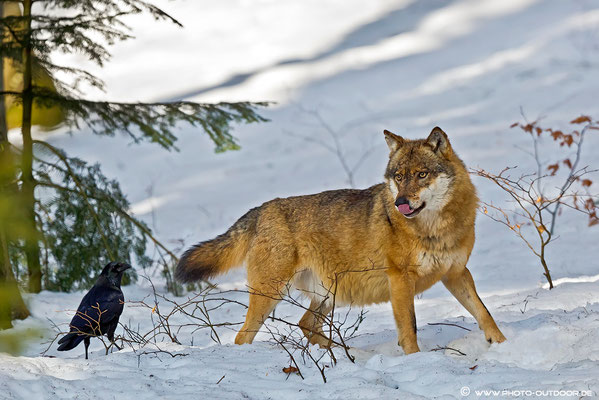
pixel 354 68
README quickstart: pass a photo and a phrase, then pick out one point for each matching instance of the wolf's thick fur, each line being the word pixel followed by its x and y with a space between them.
pixel 388 242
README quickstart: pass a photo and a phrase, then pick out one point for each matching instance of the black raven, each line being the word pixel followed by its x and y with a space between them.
pixel 99 311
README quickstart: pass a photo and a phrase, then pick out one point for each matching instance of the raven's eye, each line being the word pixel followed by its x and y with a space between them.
pixel 398 177
pixel 422 175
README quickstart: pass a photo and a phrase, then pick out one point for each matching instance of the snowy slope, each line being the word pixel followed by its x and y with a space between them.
pixel 468 66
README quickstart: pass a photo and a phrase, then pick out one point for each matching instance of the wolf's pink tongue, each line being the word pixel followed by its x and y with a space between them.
pixel 405 209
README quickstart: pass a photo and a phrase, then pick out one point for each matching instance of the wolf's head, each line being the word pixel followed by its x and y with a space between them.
pixel 421 173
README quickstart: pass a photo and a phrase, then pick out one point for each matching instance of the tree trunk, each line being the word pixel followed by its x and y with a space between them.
pixel 32 248
pixel 12 305
pixel 5 309
pixel 3 124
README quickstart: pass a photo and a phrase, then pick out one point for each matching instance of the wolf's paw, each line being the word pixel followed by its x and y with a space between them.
pixel 321 340
pixel 409 348
pixel 495 336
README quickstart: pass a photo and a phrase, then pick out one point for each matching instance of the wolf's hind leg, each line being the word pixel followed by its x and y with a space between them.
pixel 269 274
pixel 460 283
pixel 261 305
pixel 311 322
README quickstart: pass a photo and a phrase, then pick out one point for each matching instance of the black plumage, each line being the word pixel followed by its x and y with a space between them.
pixel 99 311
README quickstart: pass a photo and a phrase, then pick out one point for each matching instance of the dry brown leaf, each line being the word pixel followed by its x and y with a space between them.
pixel 556 134
pixel 580 120
pixel 290 369
pixel 568 163
pixel 553 168
pixel 568 139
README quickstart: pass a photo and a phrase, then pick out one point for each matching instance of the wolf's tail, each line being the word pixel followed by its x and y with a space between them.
pixel 214 257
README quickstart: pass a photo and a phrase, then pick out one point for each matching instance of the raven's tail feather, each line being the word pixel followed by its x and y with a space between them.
pixel 70 341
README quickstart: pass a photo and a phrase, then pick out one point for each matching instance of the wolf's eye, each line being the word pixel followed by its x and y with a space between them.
pixel 422 175
pixel 398 177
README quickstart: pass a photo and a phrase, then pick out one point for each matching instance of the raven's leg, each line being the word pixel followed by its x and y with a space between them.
pixel 111 338
pixel 110 335
pixel 86 342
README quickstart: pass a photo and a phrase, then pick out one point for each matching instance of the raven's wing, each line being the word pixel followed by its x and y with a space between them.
pixel 98 308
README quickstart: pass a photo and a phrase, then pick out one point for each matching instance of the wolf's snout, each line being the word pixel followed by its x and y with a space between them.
pixel 403 206
pixel 400 201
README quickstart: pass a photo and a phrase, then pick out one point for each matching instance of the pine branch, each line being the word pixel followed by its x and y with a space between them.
pixel 82 191
pixel 100 197
pixel 110 7
pixel 154 122
pixel 80 74
pixel 88 27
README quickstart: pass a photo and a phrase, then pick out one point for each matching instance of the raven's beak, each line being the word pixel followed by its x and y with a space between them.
pixel 123 267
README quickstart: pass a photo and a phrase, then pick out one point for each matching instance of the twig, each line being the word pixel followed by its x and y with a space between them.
pixel 534 206
pixel 438 348
pixel 336 148
pixel 450 324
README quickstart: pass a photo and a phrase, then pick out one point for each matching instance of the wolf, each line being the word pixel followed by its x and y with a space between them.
pixel 388 242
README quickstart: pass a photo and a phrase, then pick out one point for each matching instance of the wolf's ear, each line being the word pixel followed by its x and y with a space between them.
pixel 393 141
pixel 438 141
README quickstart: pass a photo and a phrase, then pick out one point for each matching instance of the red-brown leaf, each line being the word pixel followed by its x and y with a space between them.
pixel 556 134
pixel 568 163
pixel 528 128
pixel 290 369
pixel 581 120
pixel 539 130
pixel 568 139
pixel 587 182
pixel 553 168
pixel 473 367
pixel 515 124
pixel 589 204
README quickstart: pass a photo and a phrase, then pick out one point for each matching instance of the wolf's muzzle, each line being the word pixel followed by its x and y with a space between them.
pixel 401 200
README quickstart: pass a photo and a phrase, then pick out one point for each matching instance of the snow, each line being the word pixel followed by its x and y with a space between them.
pixel 468 66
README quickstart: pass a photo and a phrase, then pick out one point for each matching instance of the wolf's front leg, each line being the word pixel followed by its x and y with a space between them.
pixel 459 282
pixel 402 289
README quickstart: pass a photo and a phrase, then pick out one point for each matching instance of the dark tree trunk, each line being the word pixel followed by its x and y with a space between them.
pixel 3 124
pixel 32 248
pixel 11 302
pixel 12 305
